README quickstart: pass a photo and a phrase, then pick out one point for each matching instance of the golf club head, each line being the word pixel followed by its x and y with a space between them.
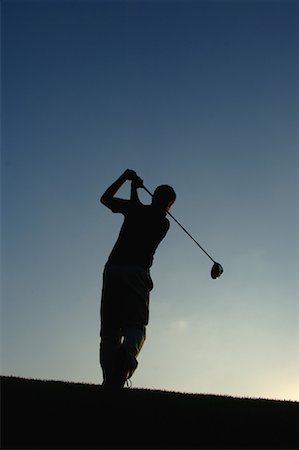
pixel 216 270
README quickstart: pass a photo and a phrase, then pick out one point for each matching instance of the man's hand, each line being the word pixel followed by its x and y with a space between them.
pixel 132 175
pixel 137 182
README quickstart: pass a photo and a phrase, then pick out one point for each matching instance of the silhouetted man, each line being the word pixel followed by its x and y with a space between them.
pixel 126 278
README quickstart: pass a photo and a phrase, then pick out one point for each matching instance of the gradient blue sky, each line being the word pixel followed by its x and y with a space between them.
pixel 202 95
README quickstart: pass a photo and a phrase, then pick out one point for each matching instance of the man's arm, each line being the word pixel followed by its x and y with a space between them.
pixel 136 183
pixel 108 198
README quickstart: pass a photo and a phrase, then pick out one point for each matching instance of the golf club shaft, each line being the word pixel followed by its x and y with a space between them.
pixel 183 228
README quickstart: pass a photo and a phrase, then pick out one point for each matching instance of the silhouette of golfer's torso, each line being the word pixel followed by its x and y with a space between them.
pixel 143 229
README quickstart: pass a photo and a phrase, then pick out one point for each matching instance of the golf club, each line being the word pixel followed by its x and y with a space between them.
pixel 217 269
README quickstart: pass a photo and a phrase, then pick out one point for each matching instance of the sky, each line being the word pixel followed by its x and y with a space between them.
pixel 201 95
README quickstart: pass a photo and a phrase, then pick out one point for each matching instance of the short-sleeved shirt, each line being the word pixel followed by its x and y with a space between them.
pixel 143 229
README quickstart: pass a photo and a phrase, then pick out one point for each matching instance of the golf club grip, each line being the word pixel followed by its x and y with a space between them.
pixel 183 228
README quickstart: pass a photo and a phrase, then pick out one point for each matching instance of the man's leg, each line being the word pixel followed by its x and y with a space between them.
pixel 135 317
pixel 110 334
pixel 108 358
pixel 118 357
pixel 134 337
pixel 125 301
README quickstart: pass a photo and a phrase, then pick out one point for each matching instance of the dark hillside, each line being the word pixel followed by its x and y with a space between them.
pixel 58 415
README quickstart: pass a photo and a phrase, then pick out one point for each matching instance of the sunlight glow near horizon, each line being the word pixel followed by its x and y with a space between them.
pixel 199 95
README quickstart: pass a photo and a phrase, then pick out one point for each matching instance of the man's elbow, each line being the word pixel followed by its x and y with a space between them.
pixel 104 200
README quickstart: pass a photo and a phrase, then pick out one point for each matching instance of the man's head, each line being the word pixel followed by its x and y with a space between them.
pixel 164 196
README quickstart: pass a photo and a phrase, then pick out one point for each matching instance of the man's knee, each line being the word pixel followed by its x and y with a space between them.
pixel 134 338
